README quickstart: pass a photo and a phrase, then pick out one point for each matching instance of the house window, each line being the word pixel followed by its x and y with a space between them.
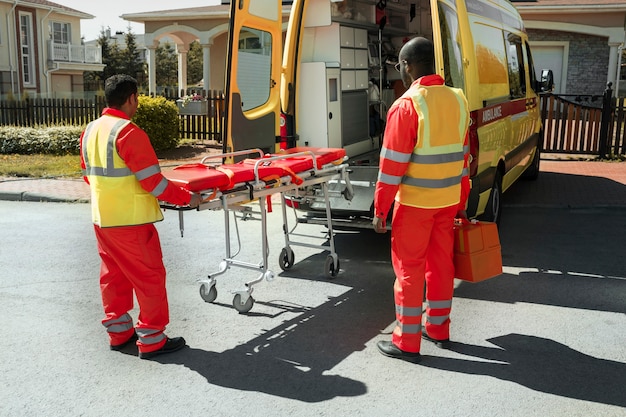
pixel 27 49
pixel 60 32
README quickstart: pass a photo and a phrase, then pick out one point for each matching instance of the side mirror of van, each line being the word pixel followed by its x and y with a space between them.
pixel 546 84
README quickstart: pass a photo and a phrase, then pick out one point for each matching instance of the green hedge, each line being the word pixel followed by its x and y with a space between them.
pixel 55 140
pixel 157 116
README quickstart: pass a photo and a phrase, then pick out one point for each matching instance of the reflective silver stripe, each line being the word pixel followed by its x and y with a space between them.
pixel 408 311
pixel 119 125
pixel 439 304
pixel 85 138
pixel 395 155
pixel 437 319
pixel 147 172
pixel 120 324
pixel 109 170
pixel 158 190
pixel 121 319
pixel 466 148
pixel 465 172
pixel 438 159
pixel 119 328
pixel 147 336
pixel 389 179
pixel 103 172
pixel 410 328
pixel 432 183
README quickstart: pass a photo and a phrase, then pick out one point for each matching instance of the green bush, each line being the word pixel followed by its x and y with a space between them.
pixel 54 140
pixel 159 118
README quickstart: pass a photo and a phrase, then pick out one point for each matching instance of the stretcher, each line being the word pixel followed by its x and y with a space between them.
pixel 229 187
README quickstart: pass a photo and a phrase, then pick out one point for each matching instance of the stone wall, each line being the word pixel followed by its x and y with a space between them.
pixel 588 59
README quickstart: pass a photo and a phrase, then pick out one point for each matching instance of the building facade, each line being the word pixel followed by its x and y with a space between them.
pixel 41 50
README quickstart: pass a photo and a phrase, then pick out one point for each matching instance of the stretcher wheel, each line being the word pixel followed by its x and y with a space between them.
pixel 209 295
pixel 332 266
pixel 286 259
pixel 242 307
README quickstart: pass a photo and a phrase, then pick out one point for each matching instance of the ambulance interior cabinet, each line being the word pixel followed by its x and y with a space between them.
pixel 319 115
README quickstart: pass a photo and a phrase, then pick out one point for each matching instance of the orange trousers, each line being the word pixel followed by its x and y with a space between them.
pixel 422 244
pixel 132 262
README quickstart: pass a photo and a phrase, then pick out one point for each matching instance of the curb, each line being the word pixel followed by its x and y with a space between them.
pixel 39 198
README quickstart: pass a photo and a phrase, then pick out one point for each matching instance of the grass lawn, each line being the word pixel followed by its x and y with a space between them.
pixel 40 166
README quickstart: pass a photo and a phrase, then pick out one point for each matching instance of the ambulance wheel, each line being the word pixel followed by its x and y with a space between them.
pixel 493 211
pixel 286 259
pixel 242 307
pixel 331 266
pixel 208 294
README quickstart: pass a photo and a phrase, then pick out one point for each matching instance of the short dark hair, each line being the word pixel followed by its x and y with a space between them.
pixel 420 51
pixel 118 88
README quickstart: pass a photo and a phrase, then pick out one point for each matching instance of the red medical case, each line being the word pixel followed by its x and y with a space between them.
pixel 477 253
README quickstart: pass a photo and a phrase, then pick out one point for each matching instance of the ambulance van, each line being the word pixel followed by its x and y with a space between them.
pixel 324 77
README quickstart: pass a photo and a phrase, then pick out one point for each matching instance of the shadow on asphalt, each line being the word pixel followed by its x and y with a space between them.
pixel 291 360
pixel 565 190
pixel 542 365
pixel 566 258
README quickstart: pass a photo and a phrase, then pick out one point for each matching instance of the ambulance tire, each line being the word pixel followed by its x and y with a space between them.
pixel 493 211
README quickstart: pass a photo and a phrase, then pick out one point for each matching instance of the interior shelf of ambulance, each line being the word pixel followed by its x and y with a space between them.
pixel 354 59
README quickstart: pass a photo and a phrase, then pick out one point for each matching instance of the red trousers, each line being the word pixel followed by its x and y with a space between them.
pixel 422 244
pixel 132 263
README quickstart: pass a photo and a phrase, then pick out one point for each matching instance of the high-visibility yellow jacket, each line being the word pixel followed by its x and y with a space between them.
pixel 117 197
pixel 424 157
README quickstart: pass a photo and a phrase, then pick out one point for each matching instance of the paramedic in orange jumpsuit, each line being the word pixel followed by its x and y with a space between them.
pixel 123 172
pixel 423 166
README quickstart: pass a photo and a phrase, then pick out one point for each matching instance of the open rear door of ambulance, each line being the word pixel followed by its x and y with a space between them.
pixel 252 108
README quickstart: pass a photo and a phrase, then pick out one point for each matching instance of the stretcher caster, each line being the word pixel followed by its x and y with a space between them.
pixel 245 306
pixel 286 259
pixel 208 292
pixel 332 265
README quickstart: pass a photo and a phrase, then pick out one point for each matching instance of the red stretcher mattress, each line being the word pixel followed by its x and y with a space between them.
pixel 198 177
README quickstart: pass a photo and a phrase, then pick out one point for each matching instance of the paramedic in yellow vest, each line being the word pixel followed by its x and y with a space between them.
pixel 423 166
pixel 122 169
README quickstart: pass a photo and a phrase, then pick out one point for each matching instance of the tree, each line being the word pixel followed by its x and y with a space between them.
pixel 166 65
pixel 131 58
pixel 194 63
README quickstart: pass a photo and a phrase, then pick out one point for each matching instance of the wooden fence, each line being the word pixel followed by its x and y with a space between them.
pixel 574 124
pixel 42 112
pixel 584 124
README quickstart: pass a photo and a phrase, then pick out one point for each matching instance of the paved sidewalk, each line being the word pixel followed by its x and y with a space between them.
pixel 561 183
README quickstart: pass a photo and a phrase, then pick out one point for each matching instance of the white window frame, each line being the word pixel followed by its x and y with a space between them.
pixel 65 29
pixel 27 61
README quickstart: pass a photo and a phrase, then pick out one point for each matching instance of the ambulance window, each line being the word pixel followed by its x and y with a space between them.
pixel 515 58
pixel 254 58
pixel 451 44
pixel 531 66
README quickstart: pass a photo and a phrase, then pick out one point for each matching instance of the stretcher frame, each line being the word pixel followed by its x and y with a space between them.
pixel 232 200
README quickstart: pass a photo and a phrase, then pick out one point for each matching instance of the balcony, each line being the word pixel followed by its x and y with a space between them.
pixel 59 52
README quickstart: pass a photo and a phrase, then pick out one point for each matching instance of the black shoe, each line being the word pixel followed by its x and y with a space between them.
pixel 171 345
pixel 387 348
pixel 121 346
pixel 442 344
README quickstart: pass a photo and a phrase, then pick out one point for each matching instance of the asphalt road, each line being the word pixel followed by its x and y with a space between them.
pixel 547 338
